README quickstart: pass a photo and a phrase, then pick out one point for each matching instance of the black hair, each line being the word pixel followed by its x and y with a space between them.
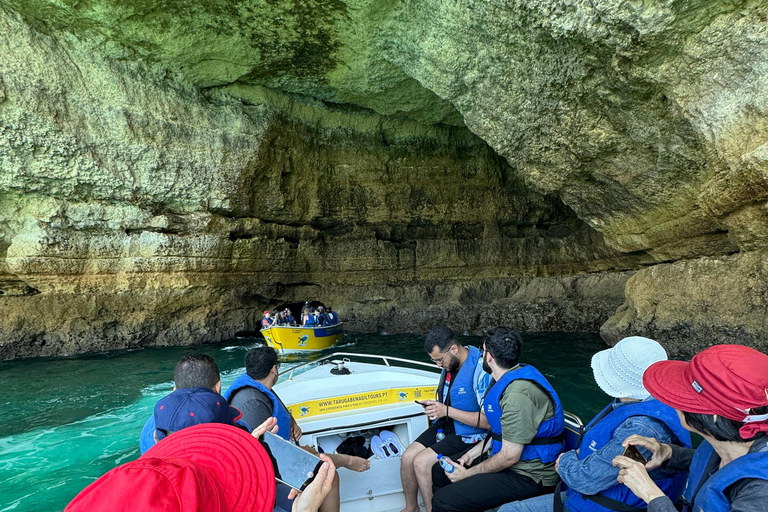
pixel 441 337
pixel 196 371
pixel 722 429
pixel 259 361
pixel 505 345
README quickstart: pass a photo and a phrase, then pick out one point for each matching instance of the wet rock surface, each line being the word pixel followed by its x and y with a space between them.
pixel 168 170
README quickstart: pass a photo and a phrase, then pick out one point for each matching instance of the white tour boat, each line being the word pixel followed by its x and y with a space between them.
pixel 335 397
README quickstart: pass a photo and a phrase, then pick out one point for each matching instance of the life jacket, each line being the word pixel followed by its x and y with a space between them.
pixel 265 322
pixel 322 319
pixel 278 409
pixel 147 437
pixel 461 392
pixel 310 321
pixel 548 443
pixel 707 493
pixel 599 432
pixel 333 318
pixel 290 320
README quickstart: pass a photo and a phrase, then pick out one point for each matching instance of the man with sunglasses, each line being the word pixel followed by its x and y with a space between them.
pixel 456 412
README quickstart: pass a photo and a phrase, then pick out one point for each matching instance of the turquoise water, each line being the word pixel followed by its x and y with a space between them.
pixel 68 421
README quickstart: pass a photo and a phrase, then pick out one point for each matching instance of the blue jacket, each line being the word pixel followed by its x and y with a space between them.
pixel 548 443
pixel 600 431
pixel 278 409
pixel 310 321
pixel 708 493
pixel 462 392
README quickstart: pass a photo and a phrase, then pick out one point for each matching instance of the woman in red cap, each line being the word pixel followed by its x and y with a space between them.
pixel 722 394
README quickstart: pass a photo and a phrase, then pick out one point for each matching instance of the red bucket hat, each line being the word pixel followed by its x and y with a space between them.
pixel 727 380
pixel 204 468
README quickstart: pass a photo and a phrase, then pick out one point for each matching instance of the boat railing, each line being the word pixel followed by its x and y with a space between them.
pixel 385 359
pixel 300 326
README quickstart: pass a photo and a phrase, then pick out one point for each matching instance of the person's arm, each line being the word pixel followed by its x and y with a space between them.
pixel 436 409
pixel 596 472
pixel 508 456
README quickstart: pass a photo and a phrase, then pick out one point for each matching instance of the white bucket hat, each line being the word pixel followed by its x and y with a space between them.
pixel 619 370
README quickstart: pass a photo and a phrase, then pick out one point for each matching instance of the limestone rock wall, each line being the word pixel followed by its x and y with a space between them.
pixel 411 162
pixel 137 210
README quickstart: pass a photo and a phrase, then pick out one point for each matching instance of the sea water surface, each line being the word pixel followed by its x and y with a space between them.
pixel 65 422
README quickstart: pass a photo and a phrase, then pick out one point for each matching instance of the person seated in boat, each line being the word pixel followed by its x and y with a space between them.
pixel 253 394
pixel 197 387
pixel 266 322
pixel 456 412
pixel 280 318
pixel 722 395
pixel 589 472
pixel 308 318
pixel 290 320
pixel 527 422
pixel 322 317
pixel 333 317
pixel 190 472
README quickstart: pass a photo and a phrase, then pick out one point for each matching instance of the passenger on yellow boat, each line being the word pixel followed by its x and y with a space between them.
pixel 333 317
pixel 289 317
pixel 308 318
pixel 266 322
pixel 257 400
pixel 456 413
pixel 527 423
pixel 280 318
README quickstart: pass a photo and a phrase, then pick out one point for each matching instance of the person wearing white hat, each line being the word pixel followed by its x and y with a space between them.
pixel 589 471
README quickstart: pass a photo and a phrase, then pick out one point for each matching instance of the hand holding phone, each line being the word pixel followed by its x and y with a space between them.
pixel 423 404
pixel 294 466
pixel 633 453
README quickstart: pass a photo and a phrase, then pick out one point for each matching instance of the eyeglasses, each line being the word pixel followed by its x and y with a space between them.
pixel 439 362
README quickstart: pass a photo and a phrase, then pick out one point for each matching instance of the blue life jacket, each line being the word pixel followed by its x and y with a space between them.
pixel 322 319
pixel 548 443
pixel 147 436
pixel 278 409
pixel 461 392
pixel 289 319
pixel 599 432
pixel 310 321
pixel 707 493
pixel 333 318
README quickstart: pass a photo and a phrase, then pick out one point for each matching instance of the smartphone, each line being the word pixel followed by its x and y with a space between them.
pixel 420 403
pixel 294 466
pixel 634 454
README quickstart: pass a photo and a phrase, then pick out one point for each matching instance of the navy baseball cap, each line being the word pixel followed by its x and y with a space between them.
pixel 192 406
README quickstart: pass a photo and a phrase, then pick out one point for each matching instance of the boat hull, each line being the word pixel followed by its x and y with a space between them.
pixel 303 339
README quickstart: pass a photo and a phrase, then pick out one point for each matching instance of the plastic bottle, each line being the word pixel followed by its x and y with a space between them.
pixel 445 464
pixel 439 436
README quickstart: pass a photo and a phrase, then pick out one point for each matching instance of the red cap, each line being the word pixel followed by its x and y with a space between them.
pixel 267 313
pixel 727 380
pixel 204 468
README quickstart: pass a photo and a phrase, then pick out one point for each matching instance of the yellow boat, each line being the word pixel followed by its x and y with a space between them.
pixel 288 338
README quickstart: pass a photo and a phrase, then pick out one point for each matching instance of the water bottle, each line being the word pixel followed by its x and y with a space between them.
pixel 445 464
pixel 440 436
